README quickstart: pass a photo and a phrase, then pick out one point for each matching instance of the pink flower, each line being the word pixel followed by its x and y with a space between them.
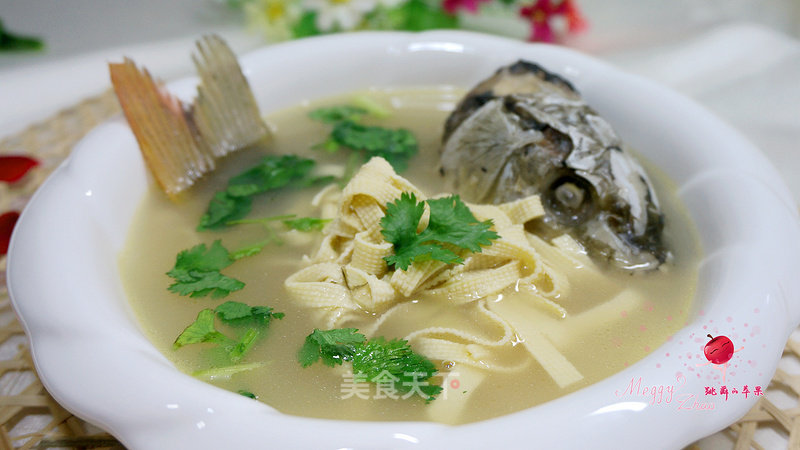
pixel 540 13
pixel 452 6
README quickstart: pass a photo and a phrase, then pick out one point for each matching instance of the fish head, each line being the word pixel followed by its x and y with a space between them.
pixel 523 132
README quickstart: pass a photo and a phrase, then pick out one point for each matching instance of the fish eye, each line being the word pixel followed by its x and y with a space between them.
pixel 569 199
pixel 569 195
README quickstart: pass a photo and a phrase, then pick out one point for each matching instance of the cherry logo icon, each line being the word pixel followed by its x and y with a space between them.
pixel 719 350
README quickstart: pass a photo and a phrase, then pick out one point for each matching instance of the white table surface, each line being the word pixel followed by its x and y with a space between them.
pixel 739 58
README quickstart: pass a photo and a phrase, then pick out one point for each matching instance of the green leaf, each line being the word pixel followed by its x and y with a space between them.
pixel 406 256
pixel 377 356
pixel 255 318
pixel 201 330
pixel 273 172
pixel 399 224
pixel 196 272
pixel 231 310
pixel 223 209
pixel 203 284
pixel 198 258
pixel 238 314
pixel 395 146
pixel 451 224
pixel 374 358
pixel 333 114
pixel 332 346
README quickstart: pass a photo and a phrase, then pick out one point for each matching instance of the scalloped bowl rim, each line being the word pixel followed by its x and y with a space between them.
pixel 94 360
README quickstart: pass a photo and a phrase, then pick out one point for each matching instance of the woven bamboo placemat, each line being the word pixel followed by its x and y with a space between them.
pixel 31 419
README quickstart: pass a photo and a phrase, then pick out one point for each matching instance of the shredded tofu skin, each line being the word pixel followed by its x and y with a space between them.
pixel 347 280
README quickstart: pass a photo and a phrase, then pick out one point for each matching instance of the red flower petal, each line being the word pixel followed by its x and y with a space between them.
pixel 7 221
pixel 12 168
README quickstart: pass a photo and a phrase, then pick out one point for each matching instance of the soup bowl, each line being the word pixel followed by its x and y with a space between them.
pixel 94 359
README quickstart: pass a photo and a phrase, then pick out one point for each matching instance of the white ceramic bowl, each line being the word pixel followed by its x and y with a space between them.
pixel 93 358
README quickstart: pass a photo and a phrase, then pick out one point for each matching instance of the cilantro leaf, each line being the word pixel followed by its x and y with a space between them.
pixel 333 346
pixel 255 319
pixel 273 172
pixel 399 224
pixel 206 283
pixel 451 226
pixel 198 258
pixel 452 222
pixel 201 330
pixel 238 313
pixel 396 146
pixel 230 311
pixel 197 272
pixel 333 114
pixel 224 208
pixel 377 358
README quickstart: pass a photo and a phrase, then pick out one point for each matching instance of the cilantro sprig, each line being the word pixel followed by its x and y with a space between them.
pixel 387 360
pixel 451 229
pixel 251 320
pixel 396 146
pixel 273 172
pixel 197 272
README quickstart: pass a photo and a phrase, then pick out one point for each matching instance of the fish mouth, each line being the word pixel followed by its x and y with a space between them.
pixel 568 198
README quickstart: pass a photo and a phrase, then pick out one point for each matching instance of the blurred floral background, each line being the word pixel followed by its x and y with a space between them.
pixel 546 20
